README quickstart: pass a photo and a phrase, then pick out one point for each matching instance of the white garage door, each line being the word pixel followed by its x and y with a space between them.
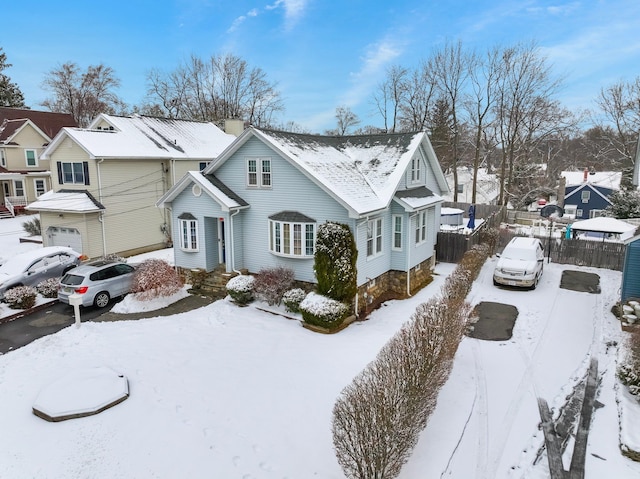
pixel 61 236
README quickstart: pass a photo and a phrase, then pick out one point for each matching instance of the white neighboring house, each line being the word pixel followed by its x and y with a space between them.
pixel 487 186
pixel 107 178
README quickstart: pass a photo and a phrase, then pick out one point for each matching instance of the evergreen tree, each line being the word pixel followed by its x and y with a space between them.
pixel 10 94
pixel 624 204
pixel 335 262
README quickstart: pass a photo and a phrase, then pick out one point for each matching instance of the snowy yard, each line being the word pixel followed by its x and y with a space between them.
pixel 231 392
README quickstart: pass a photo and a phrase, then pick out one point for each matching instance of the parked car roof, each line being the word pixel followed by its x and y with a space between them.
pixel 18 263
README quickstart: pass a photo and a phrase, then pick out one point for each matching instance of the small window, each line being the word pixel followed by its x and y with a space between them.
pixel 578 213
pixel 18 186
pixel 189 235
pixel 202 165
pixel 3 160
pixel 397 232
pixel 421 227
pixel 374 237
pixel 40 187
pixel 586 195
pixel 259 172
pixel 32 159
pixel 196 190
pixel 460 188
pixel 415 170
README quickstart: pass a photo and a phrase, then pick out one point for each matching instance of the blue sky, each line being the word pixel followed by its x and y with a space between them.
pixel 321 53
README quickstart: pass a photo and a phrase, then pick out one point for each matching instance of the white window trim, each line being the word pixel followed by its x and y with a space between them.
pixel 394 232
pixel 15 187
pixel 377 239
pixel 278 243
pixel 585 197
pixel 73 173
pixel 415 171
pixel 192 236
pixel 260 163
pixel 421 228
pixel 35 186
pixel 35 157
pixel 3 159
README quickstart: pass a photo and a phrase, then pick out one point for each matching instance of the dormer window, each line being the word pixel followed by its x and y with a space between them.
pixel 415 170
pixel 31 157
pixel 259 172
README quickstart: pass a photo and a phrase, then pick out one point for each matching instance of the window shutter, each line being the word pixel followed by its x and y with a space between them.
pixel 59 172
pixel 85 168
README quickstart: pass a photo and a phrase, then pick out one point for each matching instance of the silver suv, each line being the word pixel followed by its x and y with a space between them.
pixel 520 264
pixel 97 282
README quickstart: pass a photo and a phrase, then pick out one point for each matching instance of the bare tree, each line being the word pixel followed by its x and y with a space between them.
pixel 419 96
pixel 620 124
pixel 83 94
pixel 450 69
pixel 484 74
pixel 10 94
pixel 390 97
pixel 524 107
pixel 346 119
pixel 222 87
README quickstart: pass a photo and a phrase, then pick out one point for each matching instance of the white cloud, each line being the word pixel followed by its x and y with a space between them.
pixel 236 23
pixel 293 10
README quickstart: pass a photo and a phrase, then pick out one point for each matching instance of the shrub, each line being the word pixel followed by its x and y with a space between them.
pixel 32 226
pixel 629 364
pixel 49 287
pixel 155 278
pixel 21 297
pixel 240 288
pixel 293 298
pixel 270 284
pixel 114 257
pixel 335 261
pixel 321 311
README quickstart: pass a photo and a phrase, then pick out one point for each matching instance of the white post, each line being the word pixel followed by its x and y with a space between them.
pixel 75 300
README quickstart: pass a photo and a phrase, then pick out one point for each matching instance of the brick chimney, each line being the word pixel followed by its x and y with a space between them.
pixel 586 175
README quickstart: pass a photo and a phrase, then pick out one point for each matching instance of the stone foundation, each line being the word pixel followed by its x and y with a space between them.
pixel 393 285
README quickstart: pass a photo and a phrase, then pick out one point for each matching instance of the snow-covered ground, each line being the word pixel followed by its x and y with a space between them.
pixel 230 392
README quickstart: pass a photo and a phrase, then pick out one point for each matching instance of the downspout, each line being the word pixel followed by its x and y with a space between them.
pixel 409 254
pixel 101 217
pixel 356 300
pixel 232 249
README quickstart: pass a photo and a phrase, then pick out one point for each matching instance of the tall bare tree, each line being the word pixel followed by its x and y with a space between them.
pixel 418 99
pixel 450 65
pixel 620 124
pixel 83 94
pixel 221 87
pixel 346 119
pixel 390 96
pixel 524 107
pixel 10 94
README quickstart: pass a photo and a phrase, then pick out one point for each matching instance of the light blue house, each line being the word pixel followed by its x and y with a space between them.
pixel 260 203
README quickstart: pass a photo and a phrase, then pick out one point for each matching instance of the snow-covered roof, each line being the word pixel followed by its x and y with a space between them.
pixel 450 211
pixel 487 185
pixel 66 200
pixel 361 172
pixel 605 179
pixel 211 185
pixel 603 224
pixel 146 137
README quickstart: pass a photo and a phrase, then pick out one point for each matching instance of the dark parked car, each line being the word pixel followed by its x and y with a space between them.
pixel 97 282
pixel 32 267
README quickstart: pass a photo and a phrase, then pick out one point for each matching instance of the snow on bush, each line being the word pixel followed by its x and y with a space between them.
pixel 155 278
pixel 293 298
pixel 270 284
pixel 378 418
pixel 32 226
pixel 49 287
pixel 629 364
pixel 322 311
pixel 335 261
pixel 240 288
pixel 21 297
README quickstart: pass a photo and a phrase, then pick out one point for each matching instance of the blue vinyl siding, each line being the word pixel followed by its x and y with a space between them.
pixel 573 196
pixel 290 190
pixel 631 272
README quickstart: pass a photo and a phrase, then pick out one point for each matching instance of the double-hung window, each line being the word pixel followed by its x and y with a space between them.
pixel 259 172
pixel 397 232
pixel 31 157
pixel 415 170
pixel 76 173
pixel 421 227
pixel 18 187
pixel 585 195
pixel 374 237
pixel 40 186
pixel 3 159
pixel 288 237
pixel 188 232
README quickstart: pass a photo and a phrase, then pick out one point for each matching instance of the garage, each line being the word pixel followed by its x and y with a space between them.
pixel 62 236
